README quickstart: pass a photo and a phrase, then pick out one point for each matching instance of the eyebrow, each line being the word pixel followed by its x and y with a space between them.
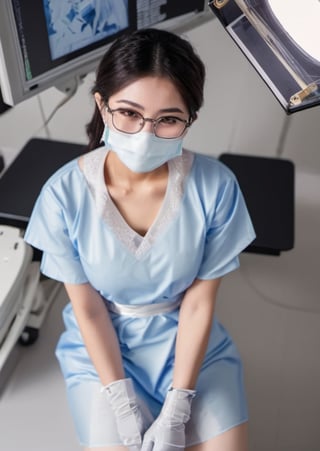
pixel 163 110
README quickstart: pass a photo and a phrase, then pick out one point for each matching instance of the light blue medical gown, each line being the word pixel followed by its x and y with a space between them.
pixel 200 230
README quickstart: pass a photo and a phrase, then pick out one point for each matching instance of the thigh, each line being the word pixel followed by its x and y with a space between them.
pixel 92 415
pixel 235 439
pixel 220 404
pixel 94 419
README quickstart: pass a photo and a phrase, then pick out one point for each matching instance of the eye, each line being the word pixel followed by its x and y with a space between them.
pixel 130 114
pixel 169 120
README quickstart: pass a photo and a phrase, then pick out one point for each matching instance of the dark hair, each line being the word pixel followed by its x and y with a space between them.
pixel 143 53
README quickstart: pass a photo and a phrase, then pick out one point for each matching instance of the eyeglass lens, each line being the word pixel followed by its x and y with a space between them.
pixel 133 122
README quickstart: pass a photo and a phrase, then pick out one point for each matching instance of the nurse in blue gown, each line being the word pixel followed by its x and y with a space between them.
pixel 141 232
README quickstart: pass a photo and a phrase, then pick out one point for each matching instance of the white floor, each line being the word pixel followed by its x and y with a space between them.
pixel 271 307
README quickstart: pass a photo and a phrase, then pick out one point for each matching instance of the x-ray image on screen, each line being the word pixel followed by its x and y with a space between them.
pixel 74 24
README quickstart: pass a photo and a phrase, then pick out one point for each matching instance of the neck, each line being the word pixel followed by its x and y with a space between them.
pixel 119 174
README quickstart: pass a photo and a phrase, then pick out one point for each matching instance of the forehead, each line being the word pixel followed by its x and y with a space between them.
pixel 156 92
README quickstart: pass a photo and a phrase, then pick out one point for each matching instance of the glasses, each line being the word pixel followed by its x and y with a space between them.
pixel 130 121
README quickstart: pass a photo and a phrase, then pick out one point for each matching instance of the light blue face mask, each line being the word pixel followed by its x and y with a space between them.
pixel 143 151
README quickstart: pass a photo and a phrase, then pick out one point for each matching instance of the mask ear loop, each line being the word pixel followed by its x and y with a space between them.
pixel 188 125
pixel 105 114
pixel 105 135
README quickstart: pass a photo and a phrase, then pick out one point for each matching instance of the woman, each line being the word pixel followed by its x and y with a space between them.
pixel 141 232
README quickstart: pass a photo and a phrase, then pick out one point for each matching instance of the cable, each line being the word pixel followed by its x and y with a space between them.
pixel 270 300
pixel 66 99
pixel 44 125
pixel 283 136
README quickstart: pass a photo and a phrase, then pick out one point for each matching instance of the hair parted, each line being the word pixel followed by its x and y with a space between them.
pixel 147 52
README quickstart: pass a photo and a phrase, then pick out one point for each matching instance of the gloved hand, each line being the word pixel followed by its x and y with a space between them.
pixel 129 419
pixel 167 433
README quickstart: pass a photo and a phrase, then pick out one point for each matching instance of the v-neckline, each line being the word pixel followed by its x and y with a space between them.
pixel 93 170
pixel 127 229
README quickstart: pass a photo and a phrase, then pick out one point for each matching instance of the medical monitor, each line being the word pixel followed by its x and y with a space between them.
pixel 47 43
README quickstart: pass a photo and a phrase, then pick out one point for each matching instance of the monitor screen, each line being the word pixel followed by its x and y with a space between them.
pixel 55 41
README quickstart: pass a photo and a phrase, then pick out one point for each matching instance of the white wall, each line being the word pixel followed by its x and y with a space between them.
pixel 271 305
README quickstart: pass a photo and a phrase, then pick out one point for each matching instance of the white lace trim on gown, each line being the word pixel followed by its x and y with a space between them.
pixel 93 170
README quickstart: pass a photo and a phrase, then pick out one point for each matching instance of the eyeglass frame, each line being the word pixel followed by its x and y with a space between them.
pixel 187 123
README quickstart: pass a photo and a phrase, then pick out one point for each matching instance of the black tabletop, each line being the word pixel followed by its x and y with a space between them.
pixel 21 183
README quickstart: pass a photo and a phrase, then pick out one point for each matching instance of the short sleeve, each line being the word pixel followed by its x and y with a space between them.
pixel 48 231
pixel 229 231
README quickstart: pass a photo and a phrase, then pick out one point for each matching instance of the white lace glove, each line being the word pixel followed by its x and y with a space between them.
pixel 129 419
pixel 167 433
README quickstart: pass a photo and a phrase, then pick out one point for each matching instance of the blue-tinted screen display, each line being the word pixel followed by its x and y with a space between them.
pixel 73 25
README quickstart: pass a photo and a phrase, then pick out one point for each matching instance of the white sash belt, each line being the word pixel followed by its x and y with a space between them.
pixel 139 311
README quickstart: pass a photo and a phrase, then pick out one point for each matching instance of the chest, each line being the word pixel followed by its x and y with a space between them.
pixel 140 206
pixel 127 267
